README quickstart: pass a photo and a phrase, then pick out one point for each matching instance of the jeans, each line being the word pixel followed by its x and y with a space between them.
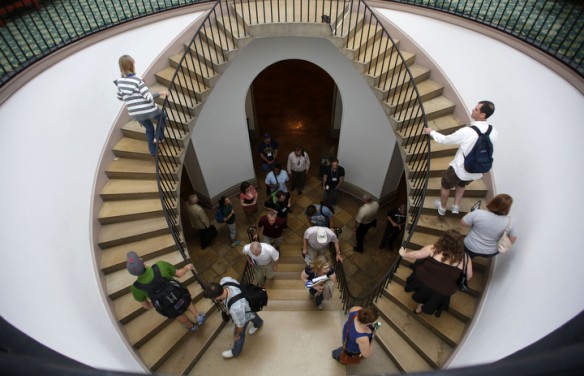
pixel 389 236
pixel 317 298
pixel 238 345
pixel 232 231
pixel 150 133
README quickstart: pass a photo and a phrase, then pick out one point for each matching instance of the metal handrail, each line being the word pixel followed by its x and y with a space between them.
pixel 555 27
pixel 29 34
pixel 362 34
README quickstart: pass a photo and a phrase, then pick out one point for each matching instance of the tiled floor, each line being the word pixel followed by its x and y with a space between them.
pixel 297 113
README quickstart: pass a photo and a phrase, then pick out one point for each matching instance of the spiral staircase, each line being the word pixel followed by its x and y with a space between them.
pixel 132 217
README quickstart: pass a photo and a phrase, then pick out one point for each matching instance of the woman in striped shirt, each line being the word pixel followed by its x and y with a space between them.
pixel 140 102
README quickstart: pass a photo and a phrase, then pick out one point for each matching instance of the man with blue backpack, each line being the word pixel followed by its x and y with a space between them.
pixel 473 158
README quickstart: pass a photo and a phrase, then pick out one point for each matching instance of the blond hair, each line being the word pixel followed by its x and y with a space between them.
pixel 318 263
pixel 126 63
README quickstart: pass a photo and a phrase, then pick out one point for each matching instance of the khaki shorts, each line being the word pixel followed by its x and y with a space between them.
pixel 450 179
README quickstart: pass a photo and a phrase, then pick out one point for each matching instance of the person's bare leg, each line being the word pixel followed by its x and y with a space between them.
pixel 458 193
pixel 192 309
pixel 183 319
pixel 444 194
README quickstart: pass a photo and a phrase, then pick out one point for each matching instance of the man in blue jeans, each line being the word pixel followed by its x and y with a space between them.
pixel 239 311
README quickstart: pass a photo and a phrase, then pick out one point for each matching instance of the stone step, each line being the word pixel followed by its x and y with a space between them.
pixel 166 342
pixel 129 147
pixel 129 210
pixel 118 282
pixel 208 51
pixel 448 327
pixel 427 90
pixel 296 268
pixel 437 167
pixel 127 168
pixel 392 84
pixel 465 205
pixel 406 358
pixel 305 304
pixel 193 65
pixel 437 225
pixel 177 101
pixel 114 258
pixel 132 189
pixel 477 189
pixel 133 129
pixel 189 351
pixel 219 38
pixel 123 233
pixel 420 150
pixel 389 62
pixel 433 349
pixel 287 275
pixel 285 284
pixel 148 324
pixel 446 124
pixel 287 294
pixel 183 83
pixel 434 108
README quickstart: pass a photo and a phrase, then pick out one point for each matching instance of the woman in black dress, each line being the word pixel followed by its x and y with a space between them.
pixel 436 279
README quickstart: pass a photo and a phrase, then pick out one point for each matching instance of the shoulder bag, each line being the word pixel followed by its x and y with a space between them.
pixel 462 280
pixel 504 244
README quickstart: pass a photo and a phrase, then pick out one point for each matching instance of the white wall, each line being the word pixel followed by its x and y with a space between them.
pixel 538 158
pixel 53 132
pixel 221 139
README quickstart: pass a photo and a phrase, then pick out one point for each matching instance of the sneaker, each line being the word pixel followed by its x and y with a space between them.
pixel 194 328
pixel 235 244
pixel 320 307
pixel 155 141
pixel 252 330
pixel 438 206
pixel 455 209
pixel 201 318
pixel 227 354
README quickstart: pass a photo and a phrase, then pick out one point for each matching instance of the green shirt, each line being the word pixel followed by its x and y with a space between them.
pixel 166 270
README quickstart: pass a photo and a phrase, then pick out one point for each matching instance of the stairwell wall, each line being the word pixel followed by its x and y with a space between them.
pixel 221 137
pixel 533 289
pixel 53 134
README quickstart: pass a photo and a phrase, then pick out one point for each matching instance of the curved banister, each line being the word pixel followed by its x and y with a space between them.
pixel 376 49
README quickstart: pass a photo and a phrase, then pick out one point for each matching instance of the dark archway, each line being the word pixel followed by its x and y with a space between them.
pixel 294 100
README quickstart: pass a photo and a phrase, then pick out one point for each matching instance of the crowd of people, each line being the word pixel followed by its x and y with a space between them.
pixel 438 268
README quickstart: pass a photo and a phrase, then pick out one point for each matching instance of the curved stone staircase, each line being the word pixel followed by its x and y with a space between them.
pixel 132 219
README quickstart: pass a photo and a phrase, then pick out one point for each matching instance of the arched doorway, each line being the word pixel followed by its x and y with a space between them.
pixel 296 102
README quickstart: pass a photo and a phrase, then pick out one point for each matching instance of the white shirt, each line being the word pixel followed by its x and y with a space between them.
pixel 268 254
pixel 466 138
pixel 298 163
pixel 279 181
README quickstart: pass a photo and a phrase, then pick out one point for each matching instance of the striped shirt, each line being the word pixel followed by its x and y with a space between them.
pixel 139 100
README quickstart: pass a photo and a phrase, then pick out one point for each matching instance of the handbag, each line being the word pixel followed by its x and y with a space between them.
pixel 346 358
pixel 462 280
pixel 504 244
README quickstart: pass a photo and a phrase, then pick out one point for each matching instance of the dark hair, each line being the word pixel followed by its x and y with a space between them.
pixel 280 194
pixel 334 160
pixel 245 185
pixel 213 291
pixel 451 246
pixel 500 204
pixel 277 165
pixel 222 201
pixel 310 210
pixel 487 108
pixel 368 315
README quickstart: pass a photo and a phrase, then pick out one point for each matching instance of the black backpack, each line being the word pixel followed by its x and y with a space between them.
pixel 169 297
pixel 256 296
pixel 480 157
